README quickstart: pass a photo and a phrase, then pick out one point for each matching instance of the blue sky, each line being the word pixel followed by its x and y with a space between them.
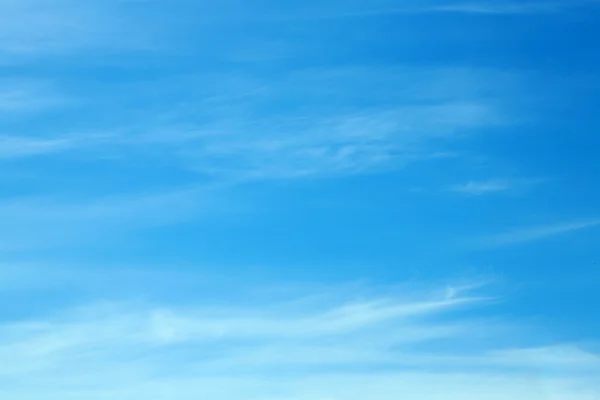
pixel 317 200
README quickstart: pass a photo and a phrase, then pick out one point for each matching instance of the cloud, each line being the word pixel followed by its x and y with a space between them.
pixel 13 147
pixel 33 28
pixel 563 356
pixel 340 121
pixel 485 7
pixel 512 7
pixel 286 148
pixel 526 235
pixel 333 145
pixel 52 221
pixel 355 125
pixel 479 188
pixel 18 97
pixel 68 27
pixel 335 348
pixel 361 9
pixel 227 129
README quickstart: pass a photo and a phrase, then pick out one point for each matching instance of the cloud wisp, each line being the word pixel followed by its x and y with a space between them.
pixel 384 347
pixel 482 188
pixel 506 7
pixel 230 129
pixel 493 186
pixel 323 133
pixel 532 234
pixel 33 222
pixel 67 27
pixel 364 9
pixel 40 28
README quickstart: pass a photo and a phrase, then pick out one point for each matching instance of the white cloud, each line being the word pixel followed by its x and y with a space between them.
pixel 227 131
pixel 537 233
pixel 563 356
pixel 334 145
pixel 505 7
pixel 67 27
pixel 375 348
pixel 54 221
pixel 342 120
pixel 12 147
pixel 19 96
pixel 59 27
pixel 511 7
pixel 479 188
pixel 240 136
pixel 359 9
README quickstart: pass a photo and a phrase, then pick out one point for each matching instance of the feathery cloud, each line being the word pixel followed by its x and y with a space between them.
pixel 33 28
pixel 381 347
pixel 531 234
pixel 479 188
pixel 325 133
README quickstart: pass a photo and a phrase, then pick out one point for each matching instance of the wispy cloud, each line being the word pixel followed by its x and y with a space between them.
pixel 33 222
pixel 345 144
pixel 380 347
pixel 362 9
pixel 12 147
pixel 286 147
pixel 486 7
pixel 64 26
pixel 512 7
pixel 227 132
pixel 531 234
pixel 67 27
pixel 479 188
pixel 21 97
pixel 324 134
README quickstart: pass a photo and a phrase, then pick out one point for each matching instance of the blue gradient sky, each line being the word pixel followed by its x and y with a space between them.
pixel 317 200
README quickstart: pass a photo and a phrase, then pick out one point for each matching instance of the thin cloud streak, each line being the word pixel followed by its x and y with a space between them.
pixel 19 97
pixel 481 188
pixel 232 139
pixel 516 8
pixel 340 350
pixel 367 10
pixel 14 147
pixel 526 235
pixel 494 186
pixel 67 27
pixel 32 222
